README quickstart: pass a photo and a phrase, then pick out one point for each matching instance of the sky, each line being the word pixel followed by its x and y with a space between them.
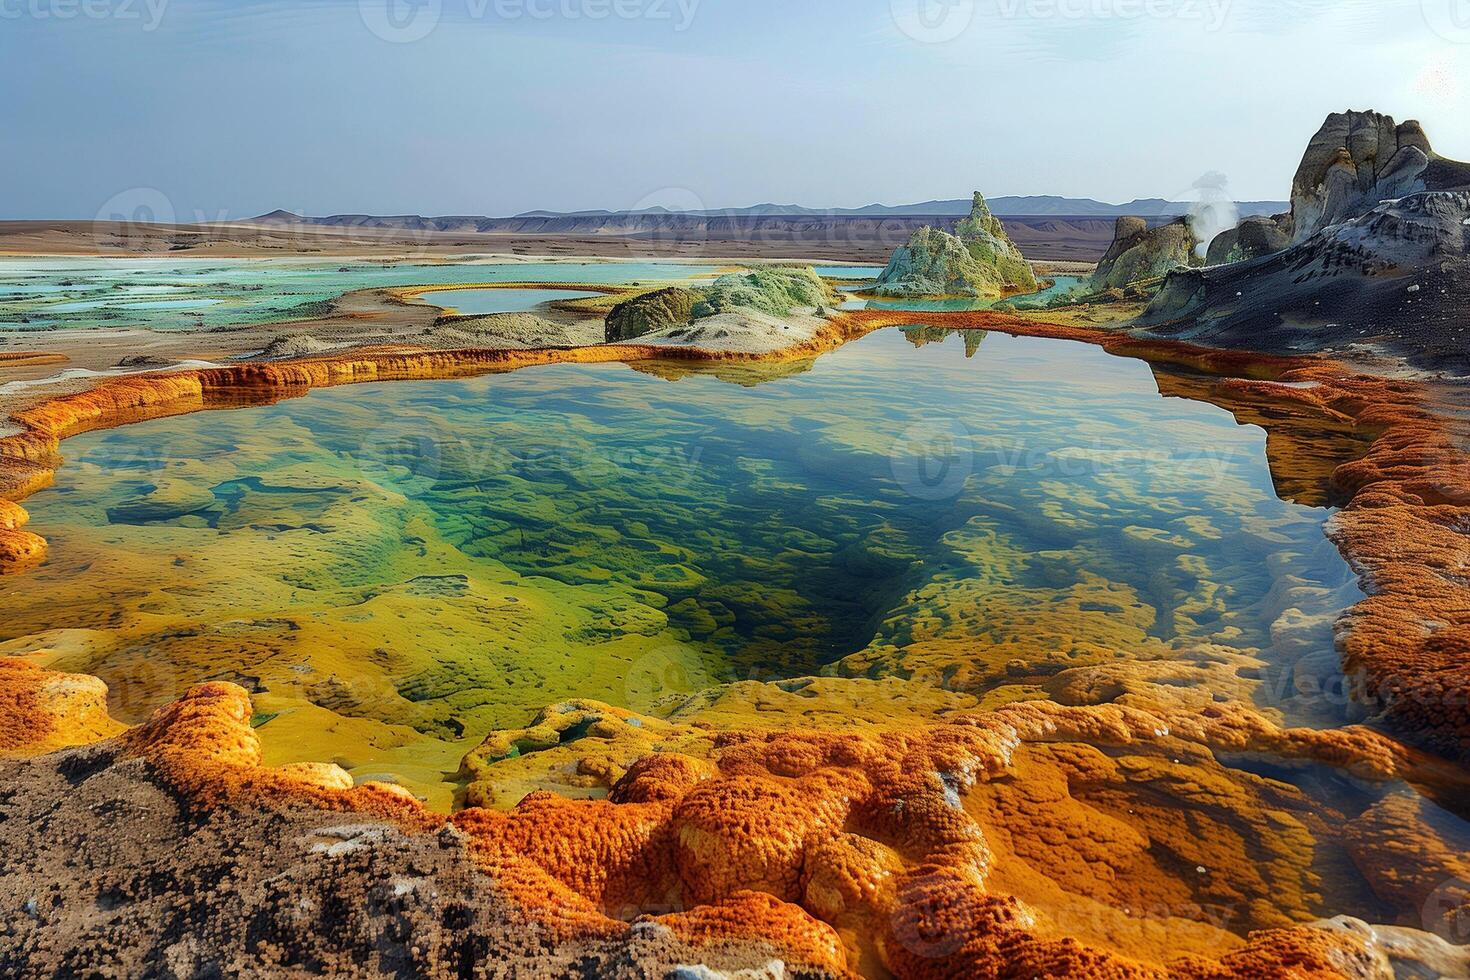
pixel 210 109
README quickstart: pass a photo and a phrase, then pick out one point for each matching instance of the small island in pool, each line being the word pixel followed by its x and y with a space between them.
pixel 978 260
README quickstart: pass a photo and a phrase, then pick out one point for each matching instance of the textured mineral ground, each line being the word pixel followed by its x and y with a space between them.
pixel 754 715
pixel 1136 816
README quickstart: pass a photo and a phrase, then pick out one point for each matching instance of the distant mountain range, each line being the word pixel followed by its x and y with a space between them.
pixel 1046 228
pixel 1034 206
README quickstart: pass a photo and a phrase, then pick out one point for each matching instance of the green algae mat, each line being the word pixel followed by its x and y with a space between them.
pixel 397 570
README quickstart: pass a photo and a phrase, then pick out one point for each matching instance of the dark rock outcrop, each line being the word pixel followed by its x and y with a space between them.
pixel 978 260
pixel 1140 253
pixel 1360 159
pixel 651 312
pixel 1396 279
pixel 1373 256
pixel 1251 239
pixel 109 873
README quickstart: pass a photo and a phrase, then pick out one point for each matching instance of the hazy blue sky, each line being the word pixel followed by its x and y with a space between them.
pixel 235 107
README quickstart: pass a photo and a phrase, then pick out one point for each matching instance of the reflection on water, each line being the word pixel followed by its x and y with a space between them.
pixel 924 336
pixel 398 569
pixel 1060 286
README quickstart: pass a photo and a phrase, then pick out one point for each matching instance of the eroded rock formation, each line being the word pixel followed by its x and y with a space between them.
pixel 1397 279
pixel 1140 253
pixel 1373 256
pixel 1358 160
pixel 1251 239
pixel 978 260
pixel 773 291
pixel 658 310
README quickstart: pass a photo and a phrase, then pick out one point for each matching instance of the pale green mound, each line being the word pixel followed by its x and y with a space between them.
pixel 979 260
pixel 777 290
pixel 773 290
pixel 1140 254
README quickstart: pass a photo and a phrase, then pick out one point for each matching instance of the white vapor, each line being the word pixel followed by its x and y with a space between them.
pixel 1213 209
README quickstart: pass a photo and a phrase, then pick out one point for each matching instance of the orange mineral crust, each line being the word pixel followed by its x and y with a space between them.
pixel 41 710
pixel 19 549
pixel 898 853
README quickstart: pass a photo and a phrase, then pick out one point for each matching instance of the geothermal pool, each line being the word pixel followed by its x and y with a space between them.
pixel 396 570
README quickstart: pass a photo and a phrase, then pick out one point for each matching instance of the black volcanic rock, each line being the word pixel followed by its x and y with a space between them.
pixel 1396 279
pixel 1251 239
pixel 1374 255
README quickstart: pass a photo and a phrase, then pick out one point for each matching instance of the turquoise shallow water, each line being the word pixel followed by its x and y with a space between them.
pixel 1061 286
pixel 482 302
pixel 858 272
pixel 181 294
